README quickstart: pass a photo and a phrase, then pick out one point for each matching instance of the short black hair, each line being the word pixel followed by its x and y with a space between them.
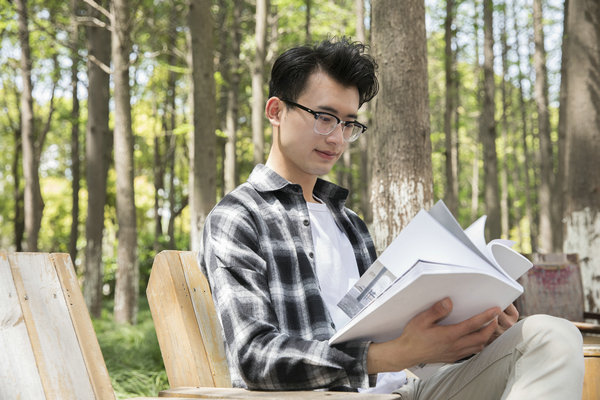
pixel 345 61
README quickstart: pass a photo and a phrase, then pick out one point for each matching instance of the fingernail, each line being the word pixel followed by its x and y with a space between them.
pixel 446 304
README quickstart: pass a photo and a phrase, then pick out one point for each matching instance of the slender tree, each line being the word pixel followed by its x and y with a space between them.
pixel 258 73
pixel 451 133
pixel 583 144
pixel 231 124
pixel 560 183
pixel 126 287
pixel 504 213
pixel 203 142
pixel 75 162
pixel 524 135
pixel 363 141
pixel 402 171
pixel 33 204
pixel 97 153
pixel 543 123
pixel 487 127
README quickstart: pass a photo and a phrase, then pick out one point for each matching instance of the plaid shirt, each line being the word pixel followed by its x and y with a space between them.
pixel 257 254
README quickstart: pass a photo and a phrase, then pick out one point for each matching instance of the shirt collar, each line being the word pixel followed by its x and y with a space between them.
pixel 264 179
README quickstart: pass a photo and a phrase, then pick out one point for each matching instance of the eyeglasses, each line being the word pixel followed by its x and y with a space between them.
pixel 325 123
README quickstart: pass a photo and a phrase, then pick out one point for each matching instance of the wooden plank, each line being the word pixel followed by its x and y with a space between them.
pixel 179 338
pixel 206 317
pixel 55 346
pixel 84 330
pixel 591 382
pixel 237 393
pixel 19 375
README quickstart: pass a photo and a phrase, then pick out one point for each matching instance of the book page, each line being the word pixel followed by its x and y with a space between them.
pixel 425 239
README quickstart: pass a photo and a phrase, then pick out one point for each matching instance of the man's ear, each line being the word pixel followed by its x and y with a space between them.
pixel 273 110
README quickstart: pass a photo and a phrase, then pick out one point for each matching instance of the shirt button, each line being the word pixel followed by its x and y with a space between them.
pixel 306 222
pixel 333 325
pixel 311 255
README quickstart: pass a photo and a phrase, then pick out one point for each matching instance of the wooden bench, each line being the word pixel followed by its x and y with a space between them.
pixel 190 340
pixel 48 347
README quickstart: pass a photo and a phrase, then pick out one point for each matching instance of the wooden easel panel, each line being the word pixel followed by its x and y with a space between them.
pixel 18 371
pixel 59 360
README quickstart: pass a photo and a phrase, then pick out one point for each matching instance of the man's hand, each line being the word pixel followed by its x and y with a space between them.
pixel 424 341
pixel 506 319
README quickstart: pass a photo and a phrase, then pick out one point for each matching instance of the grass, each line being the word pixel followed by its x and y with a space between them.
pixel 131 354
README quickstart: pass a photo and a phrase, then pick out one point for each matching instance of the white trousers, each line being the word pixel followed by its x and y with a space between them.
pixel 541 357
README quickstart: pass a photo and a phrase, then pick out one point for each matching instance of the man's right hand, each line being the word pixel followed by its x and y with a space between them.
pixel 424 341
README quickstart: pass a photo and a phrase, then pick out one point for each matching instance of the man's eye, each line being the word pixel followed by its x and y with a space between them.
pixel 325 118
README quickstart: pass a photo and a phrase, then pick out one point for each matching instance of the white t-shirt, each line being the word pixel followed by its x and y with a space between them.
pixel 337 272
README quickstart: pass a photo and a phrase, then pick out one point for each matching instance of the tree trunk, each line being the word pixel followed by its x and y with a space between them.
pixel 560 183
pixel 524 133
pixel 127 282
pixel 541 100
pixel 258 72
pixel 583 144
pixel 363 140
pixel 478 97
pixel 402 171
pixel 487 127
pixel 19 221
pixel 230 173
pixel 33 205
pixel 75 162
pixel 504 213
pixel 97 155
pixel 451 133
pixel 203 143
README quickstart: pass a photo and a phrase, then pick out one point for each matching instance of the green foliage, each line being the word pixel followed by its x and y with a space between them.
pixel 132 354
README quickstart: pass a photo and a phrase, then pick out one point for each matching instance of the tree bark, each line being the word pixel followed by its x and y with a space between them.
pixel 543 120
pixel 487 127
pixel 583 144
pixel 33 204
pixel 402 171
pixel 18 221
pixel 258 68
pixel 127 280
pixel 451 132
pixel 97 155
pixel 75 162
pixel 203 143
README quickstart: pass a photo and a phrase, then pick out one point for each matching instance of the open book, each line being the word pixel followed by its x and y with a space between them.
pixel 432 258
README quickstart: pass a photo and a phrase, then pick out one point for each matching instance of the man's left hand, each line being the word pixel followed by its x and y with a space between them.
pixel 506 319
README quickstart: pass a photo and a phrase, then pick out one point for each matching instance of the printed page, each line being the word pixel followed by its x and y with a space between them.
pixel 370 285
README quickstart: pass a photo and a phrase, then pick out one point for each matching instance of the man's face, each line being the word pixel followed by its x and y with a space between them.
pixel 302 152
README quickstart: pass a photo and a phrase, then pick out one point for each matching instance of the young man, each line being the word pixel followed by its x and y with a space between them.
pixel 281 249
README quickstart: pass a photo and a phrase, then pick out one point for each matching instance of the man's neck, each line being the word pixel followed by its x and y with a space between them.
pixel 307 182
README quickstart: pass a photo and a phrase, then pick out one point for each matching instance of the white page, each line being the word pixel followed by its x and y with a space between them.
pixel 514 263
pixel 425 239
pixel 471 291
pixel 442 214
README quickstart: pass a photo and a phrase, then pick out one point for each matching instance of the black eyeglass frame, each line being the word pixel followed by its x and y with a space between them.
pixel 316 114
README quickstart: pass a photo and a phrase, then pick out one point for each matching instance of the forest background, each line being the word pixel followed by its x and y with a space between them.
pixel 122 123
